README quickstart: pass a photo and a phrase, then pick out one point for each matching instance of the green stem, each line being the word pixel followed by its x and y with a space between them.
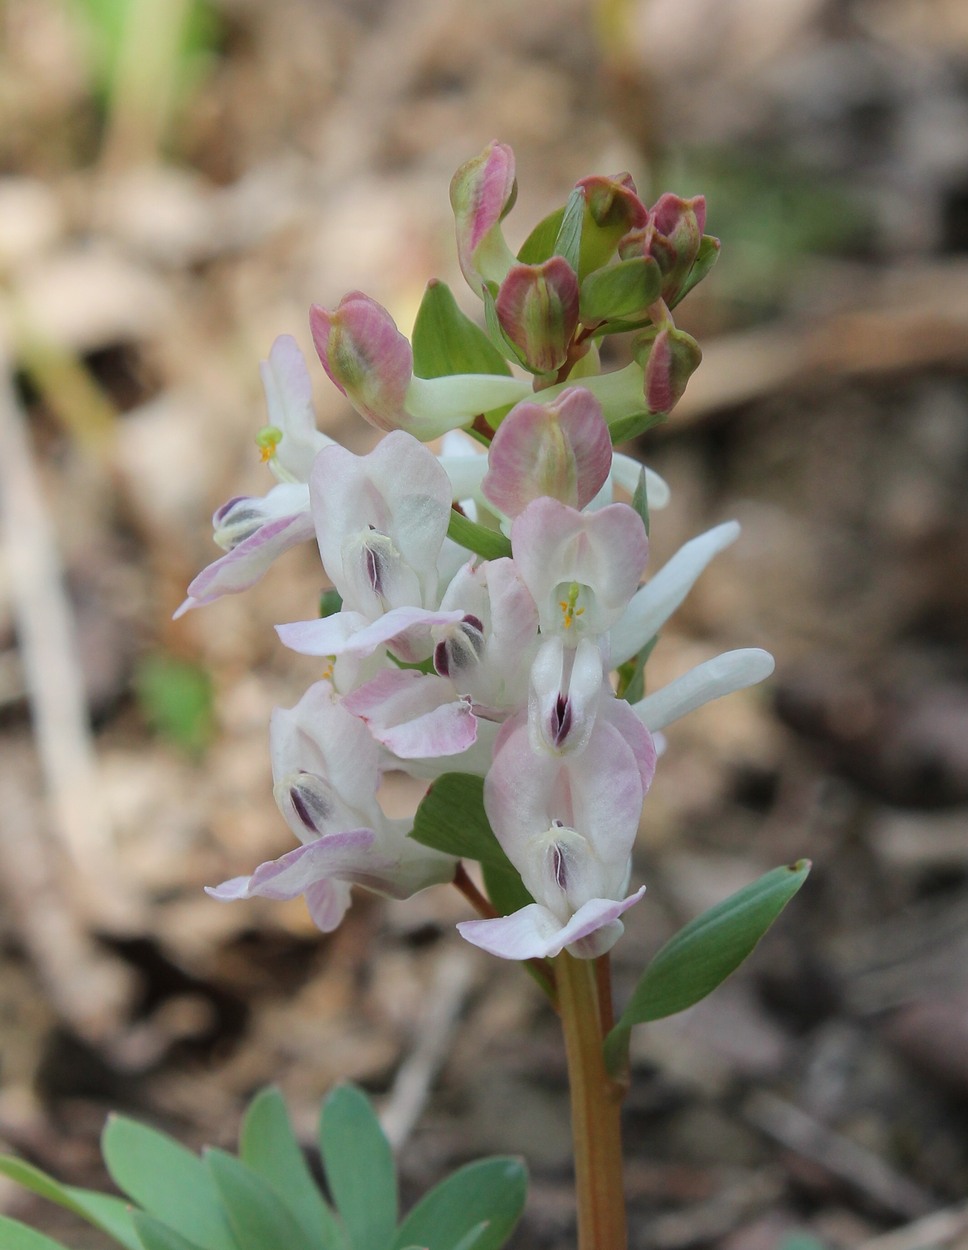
pixel 595 1110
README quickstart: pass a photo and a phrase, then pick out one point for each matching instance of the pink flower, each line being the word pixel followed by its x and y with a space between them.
pixel 326 770
pixel 582 568
pixel 567 824
pixel 561 449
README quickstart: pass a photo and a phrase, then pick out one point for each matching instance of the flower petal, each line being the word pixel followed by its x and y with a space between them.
pixel 654 603
pixel 536 933
pixel 242 567
pixel 366 357
pixel 733 670
pixel 582 568
pixel 415 715
pixel 561 449
pixel 289 401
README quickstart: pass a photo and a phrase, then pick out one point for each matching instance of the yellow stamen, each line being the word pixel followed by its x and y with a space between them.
pixel 268 440
pixel 568 609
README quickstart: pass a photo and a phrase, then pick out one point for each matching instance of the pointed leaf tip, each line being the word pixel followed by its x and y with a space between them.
pixel 705 952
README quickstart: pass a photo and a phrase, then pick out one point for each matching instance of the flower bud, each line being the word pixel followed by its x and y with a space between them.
pixel 613 201
pixel 672 236
pixel 482 192
pixel 673 357
pixel 612 209
pixel 537 307
pixel 366 356
pixel 561 449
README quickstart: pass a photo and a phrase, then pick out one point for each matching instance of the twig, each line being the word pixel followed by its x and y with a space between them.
pixel 863 1170
pixel 947 1228
pixel 45 630
pixel 415 1076
pixel 89 989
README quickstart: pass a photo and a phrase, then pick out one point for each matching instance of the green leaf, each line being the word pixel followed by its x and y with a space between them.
pixel 631 674
pixel 451 818
pixel 330 602
pixel 620 290
pixel 474 1238
pixel 491 544
pixel 707 256
pixel 446 341
pixel 17 1236
pixel 359 1166
pixel 111 1215
pixel 640 499
pixel 258 1217
pixel 539 246
pixel 156 1235
pixel 152 1169
pixel 703 953
pixel 505 889
pixel 568 241
pixel 632 425
pixel 490 1190
pixel 269 1147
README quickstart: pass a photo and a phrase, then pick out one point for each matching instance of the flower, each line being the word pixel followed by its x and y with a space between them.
pixel 254 531
pixel 326 770
pixel 567 823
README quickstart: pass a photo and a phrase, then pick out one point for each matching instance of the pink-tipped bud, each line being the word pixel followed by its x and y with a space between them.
pixel 673 357
pixel 537 307
pixel 672 236
pixel 482 192
pixel 560 449
pixel 613 201
pixel 366 356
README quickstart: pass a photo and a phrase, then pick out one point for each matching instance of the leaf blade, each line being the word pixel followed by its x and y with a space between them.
pixel 17 1236
pixel 704 952
pixel 360 1171
pixel 488 1192
pixel 269 1147
pixel 257 1216
pixel 111 1215
pixel 149 1166
pixel 446 341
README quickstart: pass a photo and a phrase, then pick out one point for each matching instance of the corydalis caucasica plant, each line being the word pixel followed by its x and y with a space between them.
pixel 491 618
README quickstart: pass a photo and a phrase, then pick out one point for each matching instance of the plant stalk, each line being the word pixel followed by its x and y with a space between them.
pixel 595 1110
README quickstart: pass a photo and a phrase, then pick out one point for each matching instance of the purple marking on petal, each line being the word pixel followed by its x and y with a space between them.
pixel 560 867
pixel 561 720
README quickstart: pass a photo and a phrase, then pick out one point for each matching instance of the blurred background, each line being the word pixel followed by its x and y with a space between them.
pixel 179 180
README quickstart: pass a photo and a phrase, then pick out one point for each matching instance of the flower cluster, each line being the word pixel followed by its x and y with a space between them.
pixel 490 613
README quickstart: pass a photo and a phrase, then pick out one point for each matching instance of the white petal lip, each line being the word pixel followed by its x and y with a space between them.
pixel 242 567
pixel 572 679
pixel 291 874
pixel 726 673
pixel 655 602
pixel 415 715
pixel 536 933
pixel 350 633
